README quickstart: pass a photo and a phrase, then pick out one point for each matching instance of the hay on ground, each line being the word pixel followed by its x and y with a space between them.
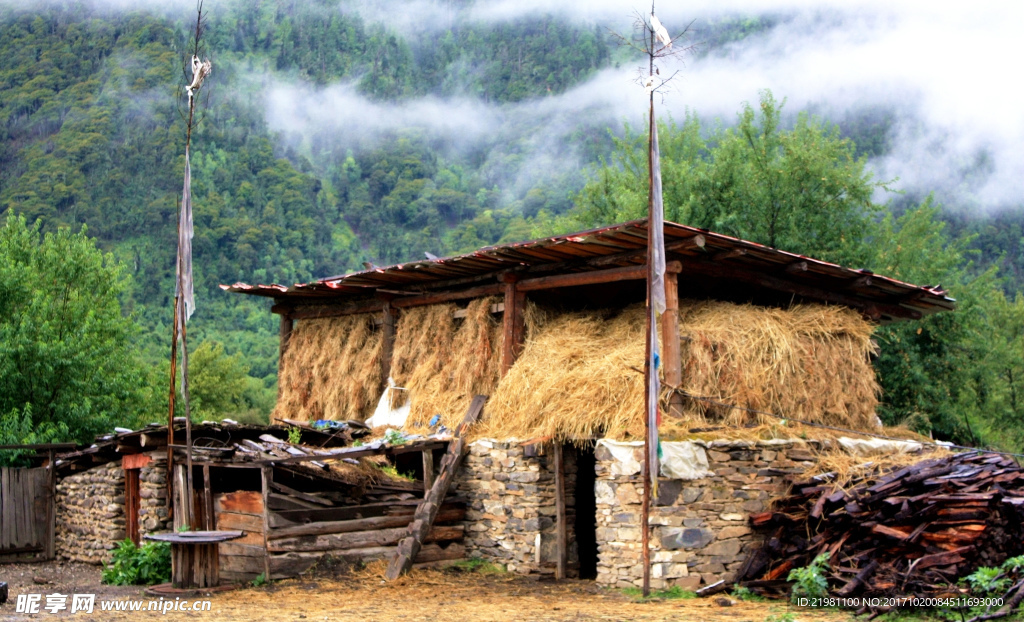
pixel 442 362
pixel 331 370
pixel 574 379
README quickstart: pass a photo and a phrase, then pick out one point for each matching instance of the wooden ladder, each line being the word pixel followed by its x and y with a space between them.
pixel 427 510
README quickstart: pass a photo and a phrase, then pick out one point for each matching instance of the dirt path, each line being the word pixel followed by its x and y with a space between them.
pixel 424 595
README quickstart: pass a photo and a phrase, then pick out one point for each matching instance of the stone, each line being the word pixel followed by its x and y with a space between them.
pixel 692 495
pixel 626 494
pixel 718 456
pixel 731 516
pixel 604 493
pixel 723 548
pixel 668 492
pixel 686 538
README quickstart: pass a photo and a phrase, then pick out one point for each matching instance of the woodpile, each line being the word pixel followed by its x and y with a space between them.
pixel 915 531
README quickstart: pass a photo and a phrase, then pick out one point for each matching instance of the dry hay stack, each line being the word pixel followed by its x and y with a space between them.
pixel 331 370
pixel 443 362
pixel 573 379
pixel 808 362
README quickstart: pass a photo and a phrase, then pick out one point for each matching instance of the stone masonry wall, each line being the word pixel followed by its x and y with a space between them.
pixel 153 514
pixel 702 533
pixel 511 515
pixel 90 514
pixel 90 509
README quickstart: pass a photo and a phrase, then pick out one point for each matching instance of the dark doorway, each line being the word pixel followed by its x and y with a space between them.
pixel 585 526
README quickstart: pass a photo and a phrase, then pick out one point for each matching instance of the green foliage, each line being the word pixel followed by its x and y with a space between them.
pixel 294 436
pixel 742 593
pixel 260 580
pixel 392 471
pixel 670 593
pixel 395 437
pixel 19 428
pixel 781 617
pixel 988 581
pixel 809 582
pixel 802 189
pixel 134 565
pixel 68 368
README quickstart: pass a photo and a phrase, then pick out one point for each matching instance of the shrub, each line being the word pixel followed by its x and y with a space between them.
pixel 810 581
pixel 139 565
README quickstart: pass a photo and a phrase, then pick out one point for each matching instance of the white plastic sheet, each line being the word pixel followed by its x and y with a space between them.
pixel 679 459
pixel 384 415
pixel 865 447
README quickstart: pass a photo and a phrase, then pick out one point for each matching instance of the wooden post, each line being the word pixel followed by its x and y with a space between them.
pixel 287 325
pixel 427 510
pixel 207 499
pixel 51 509
pixel 560 525
pixel 670 349
pixel 387 334
pixel 514 324
pixel 267 476
pixel 428 470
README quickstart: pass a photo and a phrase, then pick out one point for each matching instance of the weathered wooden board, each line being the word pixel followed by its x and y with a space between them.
pixel 246 522
pixel 448 513
pixel 295 563
pixel 25 511
pixel 241 564
pixel 242 502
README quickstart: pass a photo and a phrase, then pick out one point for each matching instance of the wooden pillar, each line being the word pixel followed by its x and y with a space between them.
pixel 287 324
pixel 51 509
pixel 267 477
pixel 670 349
pixel 428 471
pixel 387 330
pixel 514 324
pixel 207 500
pixel 562 543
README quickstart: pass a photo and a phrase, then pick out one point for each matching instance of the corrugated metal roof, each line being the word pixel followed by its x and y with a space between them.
pixel 721 257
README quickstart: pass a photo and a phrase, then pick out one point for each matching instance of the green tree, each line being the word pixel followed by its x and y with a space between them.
pixel 802 189
pixel 67 363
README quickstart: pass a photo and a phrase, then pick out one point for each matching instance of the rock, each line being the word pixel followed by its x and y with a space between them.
pixel 686 538
pixel 668 492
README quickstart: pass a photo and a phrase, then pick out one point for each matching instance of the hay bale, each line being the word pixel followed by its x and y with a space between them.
pixel 443 362
pixel 808 362
pixel 573 380
pixel 331 370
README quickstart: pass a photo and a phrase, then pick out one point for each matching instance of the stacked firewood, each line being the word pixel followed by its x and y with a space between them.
pixel 914 531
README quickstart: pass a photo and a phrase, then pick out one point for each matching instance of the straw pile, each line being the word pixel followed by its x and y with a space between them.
pixel 442 362
pixel 573 380
pixel 331 370
pixel 808 362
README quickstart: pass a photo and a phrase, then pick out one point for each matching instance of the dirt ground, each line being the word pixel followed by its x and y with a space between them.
pixel 423 595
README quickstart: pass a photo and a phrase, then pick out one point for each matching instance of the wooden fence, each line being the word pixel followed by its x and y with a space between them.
pixel 27 515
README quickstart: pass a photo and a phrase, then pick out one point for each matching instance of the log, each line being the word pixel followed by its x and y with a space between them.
pixel 361 539
pixel 298 494
pixel 448 513
pixel 423 520
pixel 245 522
pixel 562 543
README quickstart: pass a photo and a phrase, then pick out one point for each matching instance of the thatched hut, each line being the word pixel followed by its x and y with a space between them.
pixel 552 330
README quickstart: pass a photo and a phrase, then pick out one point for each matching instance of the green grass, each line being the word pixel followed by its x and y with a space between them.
pixel 478 565
pixel 671 593
pixel 391 470
pixel 742 593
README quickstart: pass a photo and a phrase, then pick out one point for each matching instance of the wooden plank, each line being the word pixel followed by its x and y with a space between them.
pixel 367 510
pixel 359 452
pixel 562 543
pixel 243 564
pixel 360 539
pixel 245 522
pixel 207 499
pixel 241 502
pixel 267 478
pixel 428 470
pixel 238 548
pixel 298 494
pixel 431 299
pixel 446 514
pixel 423 520
pixel 51 510
pixel 6 510
pixel 292 564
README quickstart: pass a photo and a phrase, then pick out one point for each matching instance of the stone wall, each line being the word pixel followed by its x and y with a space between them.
pixel 90 513
pixel 153 513
pixel 701 532
pixel 90 509
pixel 511 515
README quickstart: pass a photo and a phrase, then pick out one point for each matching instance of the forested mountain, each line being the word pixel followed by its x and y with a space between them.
pixel 91 133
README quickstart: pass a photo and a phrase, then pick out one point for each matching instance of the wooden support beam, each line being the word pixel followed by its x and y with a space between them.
pixel 423 519
pixel 266 480
pixel 611 275
pixel 676 246
pixel 331 309
pixel 287 324
pixel 671 359
pixel 433 299
pixel 207 499
pixel 513 324
pixel 428 470
pixel 561 533
pixel 389 317
pixel 797 267
pixel 729 254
